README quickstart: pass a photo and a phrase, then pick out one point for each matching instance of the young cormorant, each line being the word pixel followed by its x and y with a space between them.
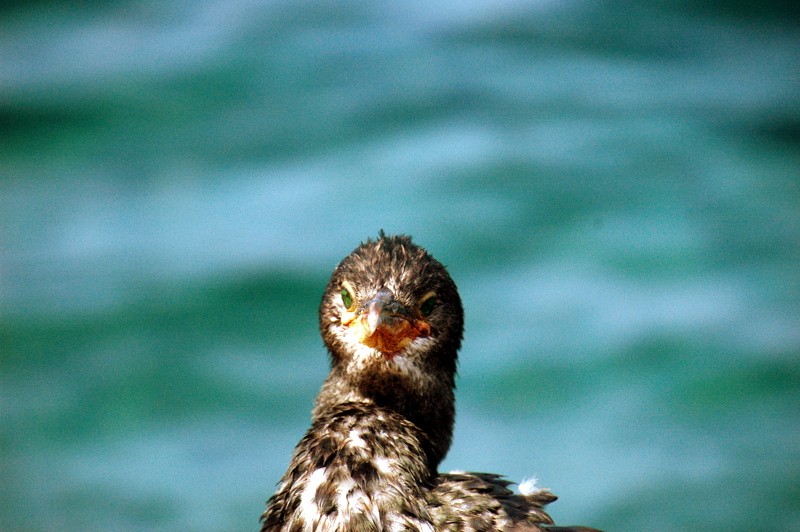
pixel 392 321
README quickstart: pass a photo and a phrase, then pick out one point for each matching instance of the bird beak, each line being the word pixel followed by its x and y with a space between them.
pixel 387 325
pixel 378 310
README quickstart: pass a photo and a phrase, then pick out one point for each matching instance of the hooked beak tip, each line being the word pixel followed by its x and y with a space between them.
pixel 374 319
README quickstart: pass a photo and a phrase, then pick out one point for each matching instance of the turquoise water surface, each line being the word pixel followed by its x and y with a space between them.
pixel 614 187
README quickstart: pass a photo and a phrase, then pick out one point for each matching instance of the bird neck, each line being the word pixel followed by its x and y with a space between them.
pixel 431 408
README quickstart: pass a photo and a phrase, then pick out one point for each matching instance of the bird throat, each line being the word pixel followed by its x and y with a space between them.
pixel 391 336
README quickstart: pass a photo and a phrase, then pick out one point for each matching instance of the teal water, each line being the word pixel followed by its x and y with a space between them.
pixel 614 187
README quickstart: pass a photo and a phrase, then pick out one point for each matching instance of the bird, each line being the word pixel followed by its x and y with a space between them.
pixel 392 321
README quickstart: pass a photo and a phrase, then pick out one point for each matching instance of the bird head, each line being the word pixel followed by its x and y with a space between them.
pixel 391 308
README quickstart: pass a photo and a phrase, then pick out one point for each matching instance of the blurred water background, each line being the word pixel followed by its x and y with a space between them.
pixel 614 187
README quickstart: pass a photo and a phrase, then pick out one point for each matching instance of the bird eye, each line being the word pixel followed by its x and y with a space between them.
pixel 427 304
pixel 347 299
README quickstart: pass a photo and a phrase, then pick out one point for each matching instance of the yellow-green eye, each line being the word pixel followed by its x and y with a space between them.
pixel 347 299
pixel 428 304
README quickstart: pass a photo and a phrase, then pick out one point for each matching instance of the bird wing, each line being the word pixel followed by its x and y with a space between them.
pixel 482 501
